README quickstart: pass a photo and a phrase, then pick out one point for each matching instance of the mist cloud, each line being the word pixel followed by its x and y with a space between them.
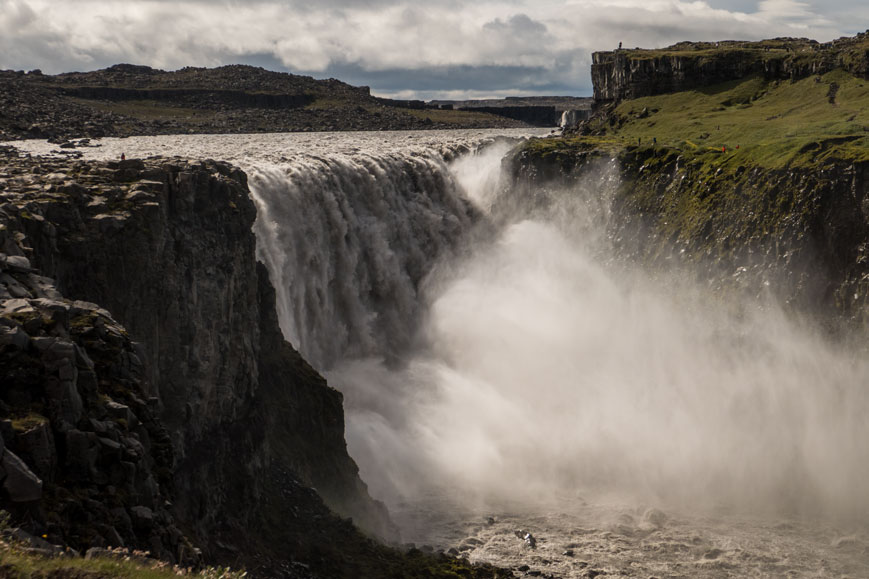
pixel 537 47
pixel 546 371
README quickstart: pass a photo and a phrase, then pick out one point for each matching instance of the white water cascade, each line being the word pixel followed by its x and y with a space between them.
pixel 527 364
pixel 348 243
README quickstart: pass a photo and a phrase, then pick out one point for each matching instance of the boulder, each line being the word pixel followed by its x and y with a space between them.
pixel 37 445
pixel 15 263
pixel 14 287
pixel 142 516
pixel 118 411
pixel 17 306
pixel 20 484
pixel 15 337
pixel 35 542
pixel 82 451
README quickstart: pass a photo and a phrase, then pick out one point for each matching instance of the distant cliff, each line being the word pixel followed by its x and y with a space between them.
pixel 633 73
pixel 125 100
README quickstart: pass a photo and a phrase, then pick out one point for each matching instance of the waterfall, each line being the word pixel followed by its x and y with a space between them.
pixel 528 361
pixel 348 242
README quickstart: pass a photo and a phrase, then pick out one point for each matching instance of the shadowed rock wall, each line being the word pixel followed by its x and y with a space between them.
pixel 167 247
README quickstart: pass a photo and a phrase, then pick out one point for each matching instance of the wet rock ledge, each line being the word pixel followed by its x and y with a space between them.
pixel 148 399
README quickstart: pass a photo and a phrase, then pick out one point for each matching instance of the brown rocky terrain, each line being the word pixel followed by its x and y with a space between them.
pixel 126 100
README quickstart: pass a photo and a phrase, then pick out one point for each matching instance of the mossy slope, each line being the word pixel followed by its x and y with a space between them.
pixel 765 177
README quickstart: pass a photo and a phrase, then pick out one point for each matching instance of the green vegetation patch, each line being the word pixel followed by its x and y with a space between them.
pixel 28 421
pixel 16 562
pixel 721 208
pixel 751 122
pixel 327 104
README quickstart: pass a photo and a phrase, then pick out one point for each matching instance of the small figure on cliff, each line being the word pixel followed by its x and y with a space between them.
pixel 639 141
pixel 620 45
pixel 724 149
pixel 123 157
pixel 654 140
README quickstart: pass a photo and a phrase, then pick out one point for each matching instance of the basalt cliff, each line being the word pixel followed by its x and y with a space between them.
pixel 148 397
pixel 633 73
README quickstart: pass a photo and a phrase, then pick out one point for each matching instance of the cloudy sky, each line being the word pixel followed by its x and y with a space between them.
pixel 431 49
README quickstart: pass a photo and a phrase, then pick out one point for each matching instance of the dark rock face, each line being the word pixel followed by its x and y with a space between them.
pixel 166 245
pixel 192 97
pixel 801 234
pixel 629 74
pixel 617 76
pixel 82 449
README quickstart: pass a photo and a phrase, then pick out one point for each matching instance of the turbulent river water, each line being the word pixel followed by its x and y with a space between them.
pixel 505 374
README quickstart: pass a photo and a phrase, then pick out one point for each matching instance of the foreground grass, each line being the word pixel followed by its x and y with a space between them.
pixel 774 124
pixel 17 562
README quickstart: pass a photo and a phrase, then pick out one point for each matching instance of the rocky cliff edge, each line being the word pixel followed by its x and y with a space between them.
pixel 633 73
pixel 182 417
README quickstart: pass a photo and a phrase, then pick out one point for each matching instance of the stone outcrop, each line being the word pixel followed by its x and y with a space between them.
pixel 629 74
pixel 209 418
pixel 800 234
pixel 84 457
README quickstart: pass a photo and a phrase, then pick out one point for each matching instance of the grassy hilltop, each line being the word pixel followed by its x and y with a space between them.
pixel 774 124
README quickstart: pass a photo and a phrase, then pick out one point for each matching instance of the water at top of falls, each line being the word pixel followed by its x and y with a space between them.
pixel 282 148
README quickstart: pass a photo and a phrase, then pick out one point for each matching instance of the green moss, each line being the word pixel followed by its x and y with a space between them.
pixel 562 150
pixel 28 422
pixel 31 320
pixel 82 322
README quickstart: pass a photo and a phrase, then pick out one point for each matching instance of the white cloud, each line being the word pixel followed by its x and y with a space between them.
pixel 543 44
pixel 797 14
